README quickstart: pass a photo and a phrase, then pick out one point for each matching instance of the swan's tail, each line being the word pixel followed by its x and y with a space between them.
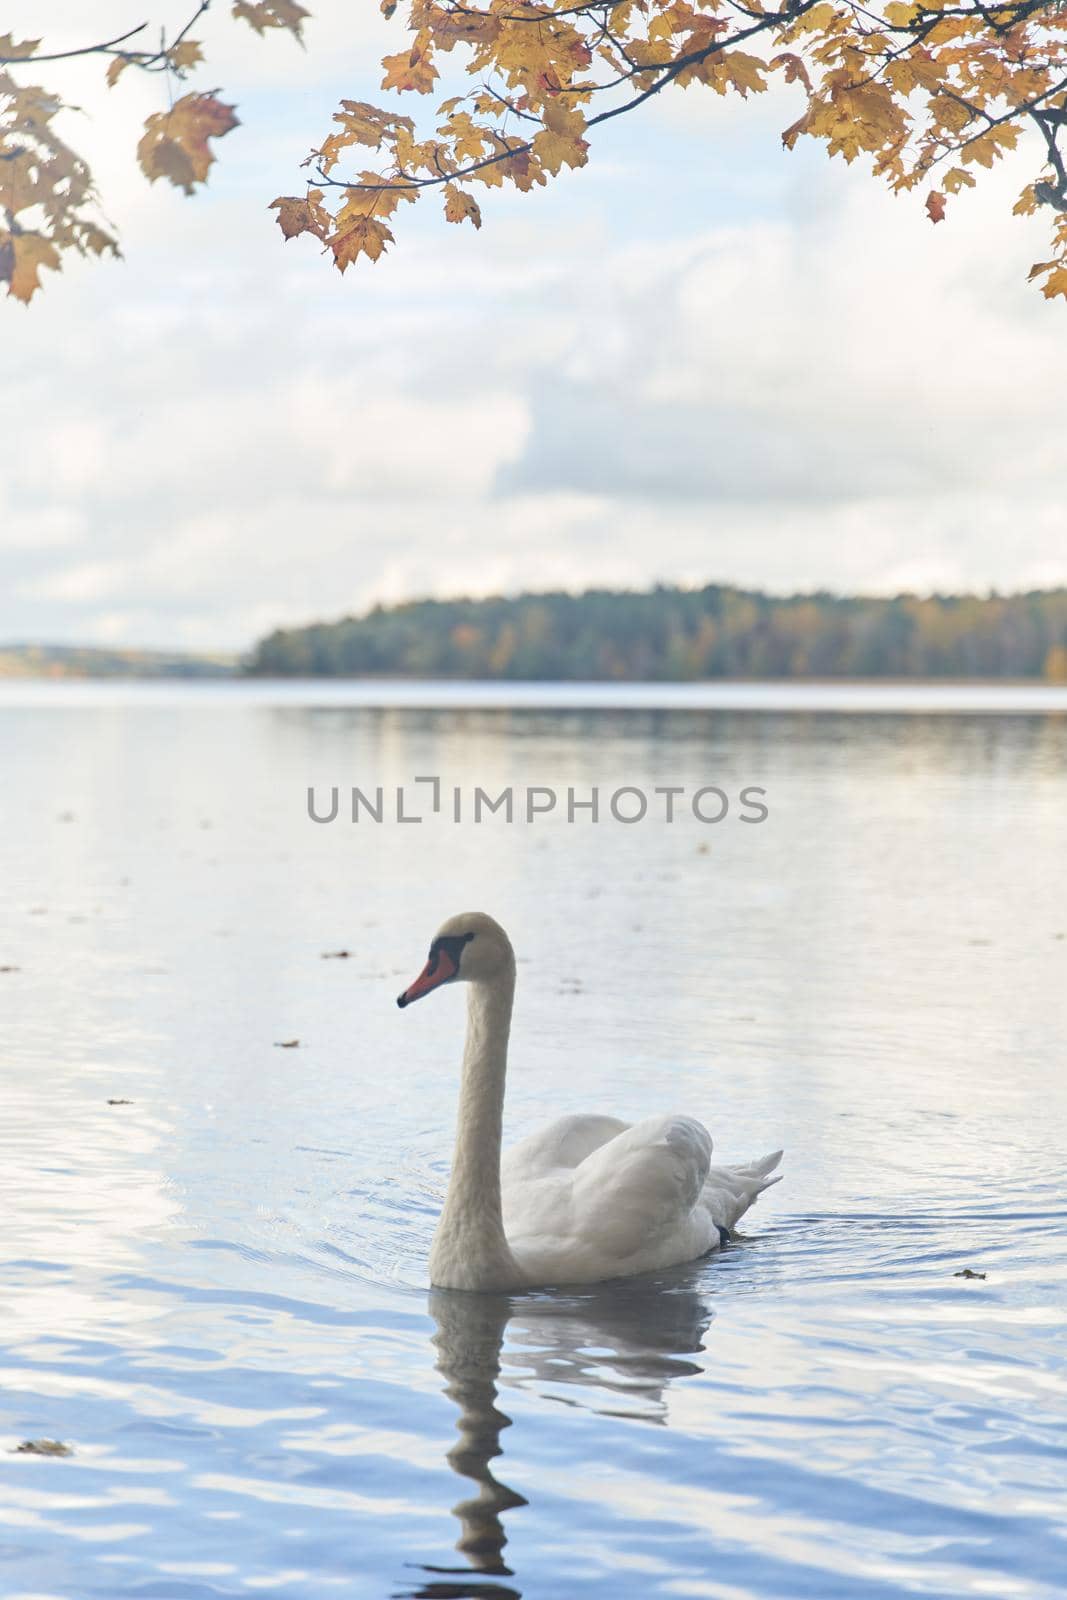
pixel 730 1191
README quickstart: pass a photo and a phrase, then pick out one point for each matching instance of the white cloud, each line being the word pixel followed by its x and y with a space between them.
pixel 699 359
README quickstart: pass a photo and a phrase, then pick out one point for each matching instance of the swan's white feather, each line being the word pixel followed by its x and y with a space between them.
pixel 562 1143
pixel 591 1197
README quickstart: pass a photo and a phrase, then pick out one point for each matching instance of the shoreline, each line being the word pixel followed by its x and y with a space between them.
pixel 794 695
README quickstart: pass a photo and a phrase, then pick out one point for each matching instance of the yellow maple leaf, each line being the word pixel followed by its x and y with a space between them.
pixel 461 207
pixel 819 18
pixel 898 15
pixel 926 69
pixel 990 147
pixel 22 255
pixel 745 72
pixel 469 139
pixel 651 54
pixel 560 143
pixel 22 182
pixel 492 175
pixel 373 196
pixel 950 113
pixel 362 124
pixel 365 237
pixel 166 158
pixel 411 69
pixel 185 55
pixel 956 178
pixel 427 155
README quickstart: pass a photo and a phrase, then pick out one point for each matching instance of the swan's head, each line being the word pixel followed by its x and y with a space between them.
pixel 470 947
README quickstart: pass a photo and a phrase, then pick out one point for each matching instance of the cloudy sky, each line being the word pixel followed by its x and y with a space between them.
pixel 700 358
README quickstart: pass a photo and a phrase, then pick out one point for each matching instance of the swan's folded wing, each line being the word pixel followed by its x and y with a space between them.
pixel 563 1143
pixel 643 1184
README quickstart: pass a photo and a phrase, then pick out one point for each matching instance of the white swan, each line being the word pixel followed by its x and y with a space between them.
pixel 587 1198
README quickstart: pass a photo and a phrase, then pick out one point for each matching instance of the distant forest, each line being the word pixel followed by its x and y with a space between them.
pixel 673 634
pixel 88 661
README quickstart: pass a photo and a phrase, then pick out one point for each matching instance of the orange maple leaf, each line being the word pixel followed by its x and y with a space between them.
pixel 1056 282
pixel 935 206
pixel 175 142
pixel 301 215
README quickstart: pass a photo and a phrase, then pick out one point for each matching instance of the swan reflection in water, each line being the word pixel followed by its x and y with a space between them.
pixel 613 1349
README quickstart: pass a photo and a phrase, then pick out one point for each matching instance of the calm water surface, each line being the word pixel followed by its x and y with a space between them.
pixel 216 1294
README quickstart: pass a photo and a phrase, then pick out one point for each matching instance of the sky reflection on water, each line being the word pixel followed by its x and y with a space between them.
pixel 217 1293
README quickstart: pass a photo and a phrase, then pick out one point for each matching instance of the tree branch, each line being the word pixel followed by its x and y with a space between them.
pixel 145 59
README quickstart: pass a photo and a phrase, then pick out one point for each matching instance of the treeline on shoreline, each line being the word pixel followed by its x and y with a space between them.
pixel 678 635
pixel 91 661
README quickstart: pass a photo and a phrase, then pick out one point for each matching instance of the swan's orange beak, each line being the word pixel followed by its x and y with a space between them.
pixel 439 969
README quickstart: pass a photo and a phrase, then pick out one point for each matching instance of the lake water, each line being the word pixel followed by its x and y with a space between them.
pixel 216 1294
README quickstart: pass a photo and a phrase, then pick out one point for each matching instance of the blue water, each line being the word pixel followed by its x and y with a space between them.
pixel 216 1294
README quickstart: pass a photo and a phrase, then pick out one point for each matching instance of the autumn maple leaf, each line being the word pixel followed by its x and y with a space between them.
pixel 298 215
pixel 365 237
pixel 175 142
pixel 411 69
pixel 264 14
pixel 22 255
pixel 461 207
pixel 561 144
pixel 921 92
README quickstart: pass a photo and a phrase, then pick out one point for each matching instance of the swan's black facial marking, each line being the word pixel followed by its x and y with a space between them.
pixel 451 945
pixel 442 966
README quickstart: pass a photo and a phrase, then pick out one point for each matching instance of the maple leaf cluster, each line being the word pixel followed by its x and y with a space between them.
pixel 47 201
pixel 928 92
pixel 48 204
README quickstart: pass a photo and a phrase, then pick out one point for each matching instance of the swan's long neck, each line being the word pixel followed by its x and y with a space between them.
pixel 469 1249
